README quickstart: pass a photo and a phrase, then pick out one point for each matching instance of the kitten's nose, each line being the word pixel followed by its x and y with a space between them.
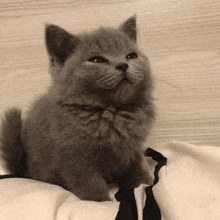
pixel 122 66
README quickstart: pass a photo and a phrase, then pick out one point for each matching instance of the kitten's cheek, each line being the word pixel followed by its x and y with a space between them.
pixel 85 74
pixel 135 79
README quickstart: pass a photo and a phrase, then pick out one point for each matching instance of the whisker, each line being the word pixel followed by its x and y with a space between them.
pixel 138 75
pixel 105 77
pixel 110 80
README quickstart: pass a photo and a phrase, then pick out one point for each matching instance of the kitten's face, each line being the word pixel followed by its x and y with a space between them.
pixel 107 63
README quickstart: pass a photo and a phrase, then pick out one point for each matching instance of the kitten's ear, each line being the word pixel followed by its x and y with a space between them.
pixel 59 43
pixel 129 27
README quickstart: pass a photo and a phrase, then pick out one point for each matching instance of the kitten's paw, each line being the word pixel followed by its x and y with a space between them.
pixel 90 186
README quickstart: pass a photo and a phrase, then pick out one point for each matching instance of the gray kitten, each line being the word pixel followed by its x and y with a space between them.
pixel 87 131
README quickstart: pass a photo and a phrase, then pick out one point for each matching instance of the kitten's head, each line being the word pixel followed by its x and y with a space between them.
pixel 103 66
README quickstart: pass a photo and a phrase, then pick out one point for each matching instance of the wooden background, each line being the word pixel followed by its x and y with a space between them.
pixel 181 38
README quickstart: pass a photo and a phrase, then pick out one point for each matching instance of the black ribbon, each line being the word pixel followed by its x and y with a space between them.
pixel 128 207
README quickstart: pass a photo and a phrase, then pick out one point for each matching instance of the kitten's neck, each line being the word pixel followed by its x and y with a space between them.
pixel 97 108
pixel 93 103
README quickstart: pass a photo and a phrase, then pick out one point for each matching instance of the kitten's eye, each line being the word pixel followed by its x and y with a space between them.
pixel 132 55
pixel 98 59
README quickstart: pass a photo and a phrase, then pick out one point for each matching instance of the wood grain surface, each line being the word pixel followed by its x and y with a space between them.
pixel 181 39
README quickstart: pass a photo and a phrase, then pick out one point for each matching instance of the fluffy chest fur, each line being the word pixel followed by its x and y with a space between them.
pixel 102 123
pixel 107 126
pixel 104 137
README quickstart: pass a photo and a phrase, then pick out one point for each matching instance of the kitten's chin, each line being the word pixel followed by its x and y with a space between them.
pixel 123 94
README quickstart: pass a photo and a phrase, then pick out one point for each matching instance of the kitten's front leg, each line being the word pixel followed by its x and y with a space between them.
pixel 135 175
pixel 87 185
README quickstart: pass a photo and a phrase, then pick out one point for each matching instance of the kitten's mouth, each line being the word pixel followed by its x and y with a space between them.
pixel 117 82
pixel 123 81
pixel 121 90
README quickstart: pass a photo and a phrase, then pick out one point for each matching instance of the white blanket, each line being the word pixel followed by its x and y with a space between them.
pixel 189 184
pixel 188 189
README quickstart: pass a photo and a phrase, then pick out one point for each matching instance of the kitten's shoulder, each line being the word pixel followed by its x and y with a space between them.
pixel 40 107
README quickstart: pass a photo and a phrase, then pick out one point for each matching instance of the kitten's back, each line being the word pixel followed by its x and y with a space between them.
pixel 12 151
